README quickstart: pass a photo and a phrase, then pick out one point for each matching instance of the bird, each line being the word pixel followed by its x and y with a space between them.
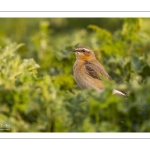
pixel 88 72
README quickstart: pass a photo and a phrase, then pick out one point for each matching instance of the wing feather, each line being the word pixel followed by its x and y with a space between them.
pixel 95 71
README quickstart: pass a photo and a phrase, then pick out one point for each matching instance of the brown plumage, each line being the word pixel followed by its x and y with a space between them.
pixel 88 72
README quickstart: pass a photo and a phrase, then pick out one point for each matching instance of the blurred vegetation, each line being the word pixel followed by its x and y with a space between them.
pixel 37 89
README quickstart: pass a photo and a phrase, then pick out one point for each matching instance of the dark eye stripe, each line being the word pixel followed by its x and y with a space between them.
pixel 83 50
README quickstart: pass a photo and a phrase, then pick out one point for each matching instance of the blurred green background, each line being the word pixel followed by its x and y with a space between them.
pixel 37 89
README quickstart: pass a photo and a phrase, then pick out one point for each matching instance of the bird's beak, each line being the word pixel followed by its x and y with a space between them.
pixel 74 50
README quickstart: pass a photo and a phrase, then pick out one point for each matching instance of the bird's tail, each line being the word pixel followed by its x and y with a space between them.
pixel 119 93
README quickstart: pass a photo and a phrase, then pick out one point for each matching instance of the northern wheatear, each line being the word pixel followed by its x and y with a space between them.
pixel 88 72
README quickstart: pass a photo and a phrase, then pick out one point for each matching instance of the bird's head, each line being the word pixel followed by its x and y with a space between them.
pixel 84 53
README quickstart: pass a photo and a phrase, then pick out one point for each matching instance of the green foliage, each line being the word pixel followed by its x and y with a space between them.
pixel 37 89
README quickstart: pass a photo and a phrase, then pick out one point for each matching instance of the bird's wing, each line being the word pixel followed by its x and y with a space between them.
pixel 96 71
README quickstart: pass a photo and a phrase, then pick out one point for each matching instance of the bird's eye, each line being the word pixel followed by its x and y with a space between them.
pixel 83 50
